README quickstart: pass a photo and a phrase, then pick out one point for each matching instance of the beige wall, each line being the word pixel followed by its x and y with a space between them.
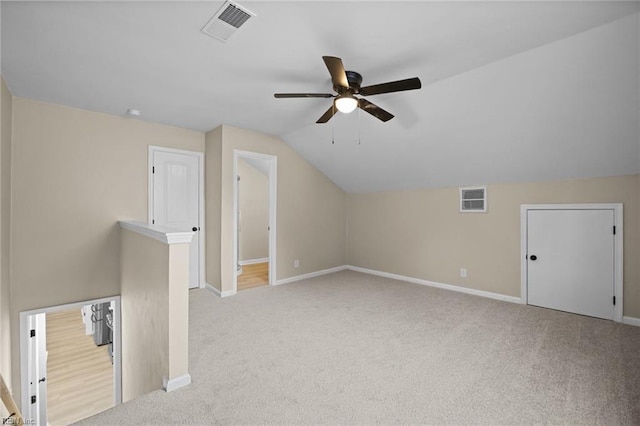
pixel 145 319
pixel 155 312
pixel 421 233
pixel 178 310
pixel 75 173
pixel 254 212
pixel 5 211
pixel 213 194
pixel 311 223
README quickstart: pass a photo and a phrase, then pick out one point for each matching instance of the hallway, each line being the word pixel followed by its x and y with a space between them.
pixel 254 275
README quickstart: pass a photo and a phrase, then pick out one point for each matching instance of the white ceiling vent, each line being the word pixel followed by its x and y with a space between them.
pixel 227 20
pixel 473 199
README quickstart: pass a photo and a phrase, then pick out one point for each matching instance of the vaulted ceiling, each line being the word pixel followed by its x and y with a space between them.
pixel 512 91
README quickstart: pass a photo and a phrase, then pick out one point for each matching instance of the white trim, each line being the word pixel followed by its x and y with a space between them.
pixel 253 261
pixel 273 203
pixel 158 232
pixel 474 292
pixel 169 385
pixel 523 254
pixel 631 321
pixel 201 201
pixel 618 256
pixel 311 275
pixel 117 342
pixel 212 289
pixel 218 293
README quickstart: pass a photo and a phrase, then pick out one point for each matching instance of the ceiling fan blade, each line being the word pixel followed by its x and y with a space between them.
pixel 303 95
pixel 374 110
pixel 327 115
pixel 393 86
pixel 336 69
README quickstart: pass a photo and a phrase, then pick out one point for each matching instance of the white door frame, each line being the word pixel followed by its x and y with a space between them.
pixel 617 208
pixel 273 168
pixel 201 222
pixel 117 348
pixel 36 369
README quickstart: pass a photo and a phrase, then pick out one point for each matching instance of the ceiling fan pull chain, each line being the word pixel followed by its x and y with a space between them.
pixel 333 127
pixel 359 126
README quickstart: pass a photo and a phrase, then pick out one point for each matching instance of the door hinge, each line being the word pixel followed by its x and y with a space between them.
pixel 268 228
pixel 614 230
pixel 153 169
pixel 614 300
pixel 153 221
pixel 33 399
pixel 32 333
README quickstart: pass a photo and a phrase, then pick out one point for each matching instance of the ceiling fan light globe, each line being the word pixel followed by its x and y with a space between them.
pixel 346 104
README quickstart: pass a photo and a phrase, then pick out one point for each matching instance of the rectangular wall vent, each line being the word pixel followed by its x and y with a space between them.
pixel 227 20
pixel 473 199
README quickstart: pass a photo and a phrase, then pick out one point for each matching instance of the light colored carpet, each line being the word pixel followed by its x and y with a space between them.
pixel 350 348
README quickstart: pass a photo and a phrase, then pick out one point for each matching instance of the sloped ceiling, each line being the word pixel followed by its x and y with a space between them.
pixel 512 91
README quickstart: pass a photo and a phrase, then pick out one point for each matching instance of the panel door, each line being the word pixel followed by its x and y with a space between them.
pixel 570 263
pixel 176 201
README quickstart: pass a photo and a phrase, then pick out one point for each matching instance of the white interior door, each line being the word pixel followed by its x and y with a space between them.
pixel 570 261
pixel 37 369
pixel 176 202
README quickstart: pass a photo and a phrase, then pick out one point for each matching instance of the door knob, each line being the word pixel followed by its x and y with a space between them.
pixel 533 257
pixel 194 229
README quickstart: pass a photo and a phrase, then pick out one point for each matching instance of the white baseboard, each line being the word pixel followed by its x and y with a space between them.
pixel 497 296
pixel 311 275
pixel 253 261
pixel 218 293
pixel 451 287
pixel 176 383
pixel 631 321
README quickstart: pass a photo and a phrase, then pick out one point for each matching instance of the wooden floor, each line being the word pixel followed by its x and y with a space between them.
pixel 254 275
pixel 79 373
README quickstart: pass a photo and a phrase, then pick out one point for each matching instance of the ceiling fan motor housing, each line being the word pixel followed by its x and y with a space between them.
pixel 355 80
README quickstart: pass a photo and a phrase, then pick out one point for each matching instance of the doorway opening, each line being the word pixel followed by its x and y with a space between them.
pixel 176 200
pixel 254 219
pixel 70 361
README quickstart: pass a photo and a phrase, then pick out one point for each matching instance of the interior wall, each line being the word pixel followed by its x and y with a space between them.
pixel 75 173
pixel 311 219
pixel 178 310
pixel 422 234
pixel 145 314
pixel 253 203
pixel 638 115
pixel 213 194
pixel 5 212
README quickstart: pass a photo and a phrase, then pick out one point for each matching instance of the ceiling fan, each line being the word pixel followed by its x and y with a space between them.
pixel 347 85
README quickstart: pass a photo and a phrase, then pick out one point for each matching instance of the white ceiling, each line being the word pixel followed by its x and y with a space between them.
pixel 111 56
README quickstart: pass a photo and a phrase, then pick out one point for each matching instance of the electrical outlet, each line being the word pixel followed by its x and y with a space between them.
pixel 463 272
pixel 296 263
